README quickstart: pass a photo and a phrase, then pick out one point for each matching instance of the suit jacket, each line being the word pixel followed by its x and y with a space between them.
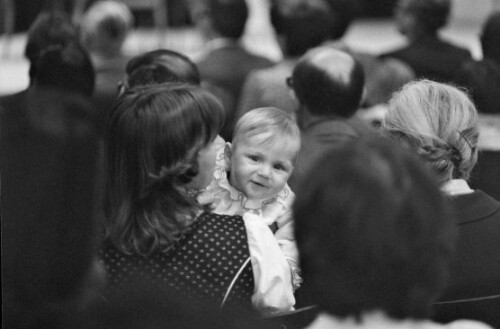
pixel 321 135
pixel 475 272
pixel 227 67
pixel 432 58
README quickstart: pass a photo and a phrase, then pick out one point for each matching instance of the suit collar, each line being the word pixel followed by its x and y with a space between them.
pixel 474 206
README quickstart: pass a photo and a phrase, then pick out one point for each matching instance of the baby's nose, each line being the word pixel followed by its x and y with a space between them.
pixel 265 170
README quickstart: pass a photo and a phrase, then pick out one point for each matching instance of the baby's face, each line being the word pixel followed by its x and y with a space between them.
pixel 261 170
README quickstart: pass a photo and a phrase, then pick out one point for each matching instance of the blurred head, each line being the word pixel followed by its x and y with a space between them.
pixel 440 123
pixel 105 26
pixel 301 25
pixel 386 78
pixel 159 66
pixel 490 41
pixel 373 231
pixel 66 68
pixel 328 82
pixel 159 144
pixel 342 13
pixel 49 29
pixel 428 16
pixel 262 156
pixel 220 18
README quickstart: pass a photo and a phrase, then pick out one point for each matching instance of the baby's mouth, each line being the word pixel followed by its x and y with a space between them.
pixel 259 184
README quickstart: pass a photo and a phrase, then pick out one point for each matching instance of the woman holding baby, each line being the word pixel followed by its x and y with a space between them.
pixel 160 151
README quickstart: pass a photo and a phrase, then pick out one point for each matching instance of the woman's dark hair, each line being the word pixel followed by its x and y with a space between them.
pixel 67 68
pixel 152 141
pixel 373 231
pixel 159 66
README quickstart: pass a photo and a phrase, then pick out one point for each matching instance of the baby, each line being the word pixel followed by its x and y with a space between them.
pixel 251 175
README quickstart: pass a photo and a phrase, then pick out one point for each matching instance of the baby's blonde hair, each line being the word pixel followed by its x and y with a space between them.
pixel 440 122
pixel 276 122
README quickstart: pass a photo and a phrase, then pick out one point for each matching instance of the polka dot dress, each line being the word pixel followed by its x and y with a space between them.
pixel 200 268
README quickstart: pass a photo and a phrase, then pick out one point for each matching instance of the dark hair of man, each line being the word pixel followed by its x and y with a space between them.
pixel 342 15
pixel 67 68
pixel 152 140
pixel 382 236
pixel 228 17
pixel 49 28
pixel 323 91
pixel 303 26
pixel 432 14
pixel 490 40
pixel 159 66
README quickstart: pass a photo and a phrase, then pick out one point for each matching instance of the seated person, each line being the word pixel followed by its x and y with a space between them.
pixel 482 80
pixel 49 227
pixel 160 147
pixel 440 124
pixel 429 55
pixel 251 175
pixel 328 84
pixel 375 238
pixel 225 62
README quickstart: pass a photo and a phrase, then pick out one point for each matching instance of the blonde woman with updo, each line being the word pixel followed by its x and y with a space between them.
pixel 440 123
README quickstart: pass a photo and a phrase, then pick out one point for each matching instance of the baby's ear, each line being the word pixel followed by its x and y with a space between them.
pixel 227 154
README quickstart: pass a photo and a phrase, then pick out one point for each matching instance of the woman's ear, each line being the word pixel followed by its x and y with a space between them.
pixel 227 154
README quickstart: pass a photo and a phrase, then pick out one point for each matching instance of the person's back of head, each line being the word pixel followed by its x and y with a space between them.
pixel 342 13
pixel 159 66
pixel 379 242
pixel 440 123
pixel 50 28
pixel 328 82
pixel 301 25
pixel 105 27
pixel 220 18
pixel 66 68
pixel 490 40
pixel 386 78
pixel 228 17
pixel 426 16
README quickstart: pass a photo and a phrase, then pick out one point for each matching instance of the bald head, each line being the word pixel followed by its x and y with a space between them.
pixel 328 82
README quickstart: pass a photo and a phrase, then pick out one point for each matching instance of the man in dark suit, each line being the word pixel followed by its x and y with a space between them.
pixel 329 85
pixel 429 55
pixel 226 63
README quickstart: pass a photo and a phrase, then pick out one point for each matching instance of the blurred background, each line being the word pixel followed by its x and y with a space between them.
pixel 167 24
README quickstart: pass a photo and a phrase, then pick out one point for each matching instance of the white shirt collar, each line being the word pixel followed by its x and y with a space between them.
pixel 456 187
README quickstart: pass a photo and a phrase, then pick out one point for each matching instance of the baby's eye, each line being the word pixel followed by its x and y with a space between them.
pixel 254 158
pixel 279 167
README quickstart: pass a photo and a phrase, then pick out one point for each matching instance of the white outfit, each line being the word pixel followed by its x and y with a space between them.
pixel 379 320
pixel 226 200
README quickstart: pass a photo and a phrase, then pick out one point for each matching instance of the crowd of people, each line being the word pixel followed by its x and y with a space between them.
pixel 333 189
